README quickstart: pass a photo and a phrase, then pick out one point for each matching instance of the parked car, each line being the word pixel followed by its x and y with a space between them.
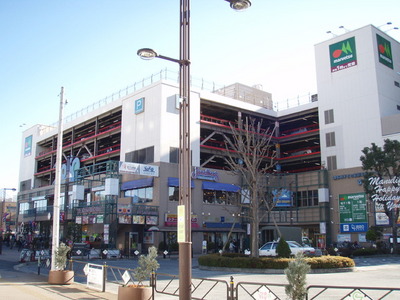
pixel 269 249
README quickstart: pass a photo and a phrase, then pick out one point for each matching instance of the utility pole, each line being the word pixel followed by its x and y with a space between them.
pixel 57 188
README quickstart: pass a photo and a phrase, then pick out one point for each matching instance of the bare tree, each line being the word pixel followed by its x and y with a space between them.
pixel 250 153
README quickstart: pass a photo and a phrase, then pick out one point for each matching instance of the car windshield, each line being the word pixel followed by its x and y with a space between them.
pixel 266 246
pixel 294 244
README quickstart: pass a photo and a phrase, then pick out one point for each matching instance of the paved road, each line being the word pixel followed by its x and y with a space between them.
pixel 371 272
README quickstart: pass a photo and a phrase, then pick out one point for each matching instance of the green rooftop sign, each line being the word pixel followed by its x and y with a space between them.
pixel 343 54
pixel 384 51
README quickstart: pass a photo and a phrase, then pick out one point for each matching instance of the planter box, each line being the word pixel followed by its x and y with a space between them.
pixel 61 277
pixel 134 292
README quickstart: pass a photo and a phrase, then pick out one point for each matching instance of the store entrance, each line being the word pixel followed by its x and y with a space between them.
pixel 132 243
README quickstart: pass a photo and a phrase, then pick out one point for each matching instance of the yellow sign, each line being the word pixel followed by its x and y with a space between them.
pixel 181 223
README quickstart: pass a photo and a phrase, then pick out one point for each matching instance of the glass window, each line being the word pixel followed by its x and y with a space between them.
pixel 331 163
pixel 330 139
pixel 40 205
pixel 266 246
pixel 141 195
pixel 329 116
pixel 173 155
pixel 220 197
pixel 23 207
pixel 99 196
pixel 173 193
pixel 142 156
pixel 315 198
pixel 307 198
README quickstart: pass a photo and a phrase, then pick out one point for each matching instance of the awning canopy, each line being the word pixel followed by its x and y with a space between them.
pixel 174 181
pixel 136 184
pixel 217 186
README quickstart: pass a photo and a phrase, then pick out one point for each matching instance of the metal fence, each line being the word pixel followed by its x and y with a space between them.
pixel 348 292
pixel 167 285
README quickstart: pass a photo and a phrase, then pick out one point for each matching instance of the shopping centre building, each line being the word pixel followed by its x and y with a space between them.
pixel 120 157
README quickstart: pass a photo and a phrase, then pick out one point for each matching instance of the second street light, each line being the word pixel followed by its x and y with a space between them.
pixel 185 165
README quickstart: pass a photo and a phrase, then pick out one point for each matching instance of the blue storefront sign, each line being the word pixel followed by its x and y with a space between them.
pixel 354 227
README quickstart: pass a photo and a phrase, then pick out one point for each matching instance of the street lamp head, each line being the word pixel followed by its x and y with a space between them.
pixel 239 4
pixel 147 53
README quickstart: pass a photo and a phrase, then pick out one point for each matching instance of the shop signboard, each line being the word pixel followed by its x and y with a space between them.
pixel 28 146
pixel 95 276
pixel 384 51
pixel 152 220
pixel 100 219
pixel 106 233
pixel 205 174
pixel 125 219
pixel 343 54
pixel 138 219
pixel 282 197
pixel 380 217
pixel 138 169
pixel 353 213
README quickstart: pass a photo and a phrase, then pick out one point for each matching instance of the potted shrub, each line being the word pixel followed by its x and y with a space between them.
pixel 60 275
pixel 147 264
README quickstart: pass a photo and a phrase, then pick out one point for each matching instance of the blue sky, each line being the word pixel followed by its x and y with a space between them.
pixel 89 47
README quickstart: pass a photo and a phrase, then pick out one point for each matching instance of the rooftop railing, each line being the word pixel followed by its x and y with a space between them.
pixel 173 76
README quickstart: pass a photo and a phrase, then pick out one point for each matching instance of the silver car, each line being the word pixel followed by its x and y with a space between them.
pixel 269 249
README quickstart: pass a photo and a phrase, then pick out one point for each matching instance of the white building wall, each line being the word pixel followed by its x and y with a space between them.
pixel 27 163
pixel 141 130
pixel 359 96
pixel 158 125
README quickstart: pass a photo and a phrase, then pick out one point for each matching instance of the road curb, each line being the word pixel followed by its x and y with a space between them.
pixel 274 271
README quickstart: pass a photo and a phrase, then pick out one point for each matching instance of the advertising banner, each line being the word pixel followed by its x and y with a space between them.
pixel 384 51
pixel 343 55
pixel 28 146
pixel 282 198
pixel 353 212
pixel 139 169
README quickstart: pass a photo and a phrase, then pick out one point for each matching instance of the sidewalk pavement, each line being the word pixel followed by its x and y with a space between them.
pixel 17 285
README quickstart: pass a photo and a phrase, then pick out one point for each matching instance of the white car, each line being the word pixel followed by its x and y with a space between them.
pixel 269 249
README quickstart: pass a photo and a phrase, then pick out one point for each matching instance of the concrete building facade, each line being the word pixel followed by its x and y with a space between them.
pixel 120 161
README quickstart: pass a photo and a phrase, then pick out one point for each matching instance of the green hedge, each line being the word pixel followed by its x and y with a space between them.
pixel 240 261
pixel 365 252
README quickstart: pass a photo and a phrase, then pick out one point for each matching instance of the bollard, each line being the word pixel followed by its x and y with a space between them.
pixel 38 267
pixel 103 289
pixel 70 264
pixel 231 291
pixel 153 284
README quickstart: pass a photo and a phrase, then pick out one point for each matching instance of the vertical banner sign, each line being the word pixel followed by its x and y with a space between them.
pixel 343 55
pixel 106 233
pixel 384 51
pixel 353 213
pixel 28 146
pixel 181 224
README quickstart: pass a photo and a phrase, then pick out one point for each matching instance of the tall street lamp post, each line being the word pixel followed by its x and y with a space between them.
pixel 185 166
pixel 57 185
pixel 3 208
pixel 5 193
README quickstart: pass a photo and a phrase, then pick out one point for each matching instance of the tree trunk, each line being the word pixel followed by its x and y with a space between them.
pixel 255 224
pixel 394 231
